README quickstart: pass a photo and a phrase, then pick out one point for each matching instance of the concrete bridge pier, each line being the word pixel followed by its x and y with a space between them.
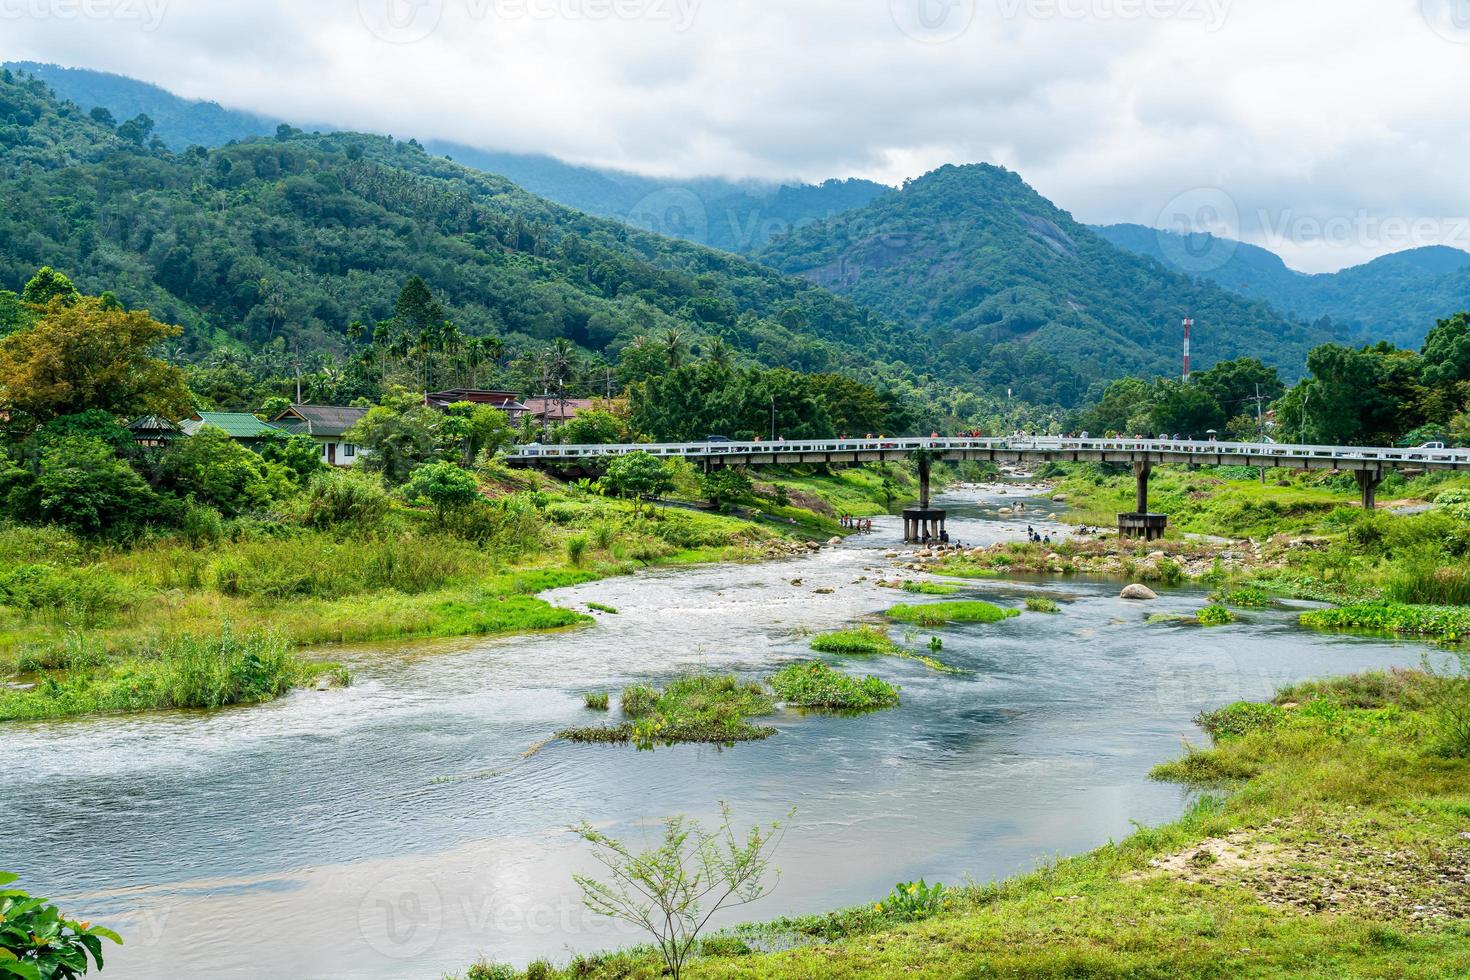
pixel 924 523
pixel 1140 523
pixel 1368 481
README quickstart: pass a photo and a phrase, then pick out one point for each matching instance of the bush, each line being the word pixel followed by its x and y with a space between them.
pixel 202 525
pixel 1215 616
pixel 348 499
pixel 577 549
pixel 815 685
pixel 1041 604
pixel 444 486
pixel 83 486
pixel 638 700
pixel 596 700
pixel 37 941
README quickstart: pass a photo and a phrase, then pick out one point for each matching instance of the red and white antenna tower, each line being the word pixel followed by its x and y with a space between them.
pixel 1188 326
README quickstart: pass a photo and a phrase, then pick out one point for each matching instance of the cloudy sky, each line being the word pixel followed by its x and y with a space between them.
pixel 1328 130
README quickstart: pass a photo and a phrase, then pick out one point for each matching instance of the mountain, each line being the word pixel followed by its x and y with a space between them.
pixel 737 216
pixel 1397 296
pixel 288 240
pixel 179 122
pixel 1013 290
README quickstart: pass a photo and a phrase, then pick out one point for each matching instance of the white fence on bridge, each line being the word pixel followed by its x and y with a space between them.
pixel 1039 447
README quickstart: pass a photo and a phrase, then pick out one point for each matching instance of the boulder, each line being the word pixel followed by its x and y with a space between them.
pixel 813 546
pixel 1059 498
pixel 1140 592
pixel 835 542
pixel 823 591
pixel 1157 556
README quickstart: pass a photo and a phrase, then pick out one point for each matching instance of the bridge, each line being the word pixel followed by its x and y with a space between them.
pixel 1369 465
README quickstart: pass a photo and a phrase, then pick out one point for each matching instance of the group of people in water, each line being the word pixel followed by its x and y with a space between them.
pixel 860 525
pixel 1036 537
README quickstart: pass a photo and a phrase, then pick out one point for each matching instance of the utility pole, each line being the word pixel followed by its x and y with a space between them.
pixel 1260 427
pixel 773 416
pixel 1188 327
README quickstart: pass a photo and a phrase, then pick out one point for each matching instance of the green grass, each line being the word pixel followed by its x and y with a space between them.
pixel 186 672
pixel 940 613
pixel 1245 597
pixel 862 641
pixel 1343 858
pixel 1451 624
pixel 815 685
pixel 596 700
pixel 1041 604
pixel 599 607
pixel 698 708
pixel 930 588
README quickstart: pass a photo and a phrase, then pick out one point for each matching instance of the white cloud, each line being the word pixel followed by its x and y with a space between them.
pixel 1304 113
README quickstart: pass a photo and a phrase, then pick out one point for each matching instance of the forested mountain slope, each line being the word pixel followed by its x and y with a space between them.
pixel 737 216
pixel 1397 296
pixel 298 236
pixel 1016 292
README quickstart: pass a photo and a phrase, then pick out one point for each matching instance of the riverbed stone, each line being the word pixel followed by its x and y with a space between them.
pixel 834 542
pixel 1141 593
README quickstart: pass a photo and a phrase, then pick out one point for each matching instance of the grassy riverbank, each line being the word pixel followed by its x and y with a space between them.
pixel 1329 840
pixel 81 616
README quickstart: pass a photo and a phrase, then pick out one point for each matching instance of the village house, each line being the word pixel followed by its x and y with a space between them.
pixel 555 411
pixel 507 401
pixel 327 425
pixel 243 427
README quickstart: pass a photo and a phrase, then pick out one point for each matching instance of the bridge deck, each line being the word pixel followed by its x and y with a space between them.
pixel 1018 450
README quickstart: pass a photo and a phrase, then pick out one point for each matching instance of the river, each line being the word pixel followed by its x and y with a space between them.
pixel 400 829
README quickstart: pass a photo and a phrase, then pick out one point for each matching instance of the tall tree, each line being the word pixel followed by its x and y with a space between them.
pixel 86 355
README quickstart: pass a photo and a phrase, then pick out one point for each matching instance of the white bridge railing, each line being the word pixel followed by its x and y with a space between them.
pixel 1043 446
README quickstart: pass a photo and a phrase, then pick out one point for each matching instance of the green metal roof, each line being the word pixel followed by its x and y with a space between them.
pixel 238 425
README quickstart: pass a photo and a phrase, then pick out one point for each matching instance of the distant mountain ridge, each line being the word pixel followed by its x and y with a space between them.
pixel 1009 286
pixel 1397 296
pixel 736 216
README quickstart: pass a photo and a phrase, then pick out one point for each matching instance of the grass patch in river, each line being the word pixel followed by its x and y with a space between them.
pixel 941 613
pixel 211 671
pixel 1447 623
pixel 1214 616
pixel 930 588
pixel 873 641
pixel 815 685
pixel 1041 604
pixel 704 708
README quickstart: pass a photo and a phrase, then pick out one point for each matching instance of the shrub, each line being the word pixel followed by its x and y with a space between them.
pixel 596 700
pixel 914 900
pixel 1041 604
pixel 1239 719
pixel 638 700
pixel 37 941
pixel 348 499
pixel 444 486
pixel 1215 616
pixel 1246 597
pixel 815 685
pixel 83 486
pixel 577 549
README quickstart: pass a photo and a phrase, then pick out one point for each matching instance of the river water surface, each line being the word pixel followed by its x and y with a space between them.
pixel 400 828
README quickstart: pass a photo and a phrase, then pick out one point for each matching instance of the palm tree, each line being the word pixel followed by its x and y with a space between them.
pixel 719 354
pixel 675 347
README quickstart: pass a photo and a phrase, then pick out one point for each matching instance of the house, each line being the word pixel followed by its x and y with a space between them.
pixel 327 425
pixel 507 401
pixel 555 411
pixel 154 431
pixel 240 426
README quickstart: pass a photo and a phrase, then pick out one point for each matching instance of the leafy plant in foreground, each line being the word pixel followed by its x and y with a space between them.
pixel 815 685
pixel 673 890
pixel 914 900
pixel 37 942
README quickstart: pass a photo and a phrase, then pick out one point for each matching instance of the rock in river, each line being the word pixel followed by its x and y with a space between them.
pixel 1142 592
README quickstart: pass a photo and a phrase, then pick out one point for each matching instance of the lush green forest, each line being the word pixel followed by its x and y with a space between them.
pixel 1394 297
pixel 287 242
pixel 1016 292
pixel 737 216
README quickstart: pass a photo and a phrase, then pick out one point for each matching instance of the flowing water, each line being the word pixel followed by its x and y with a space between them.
pixel 403 827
